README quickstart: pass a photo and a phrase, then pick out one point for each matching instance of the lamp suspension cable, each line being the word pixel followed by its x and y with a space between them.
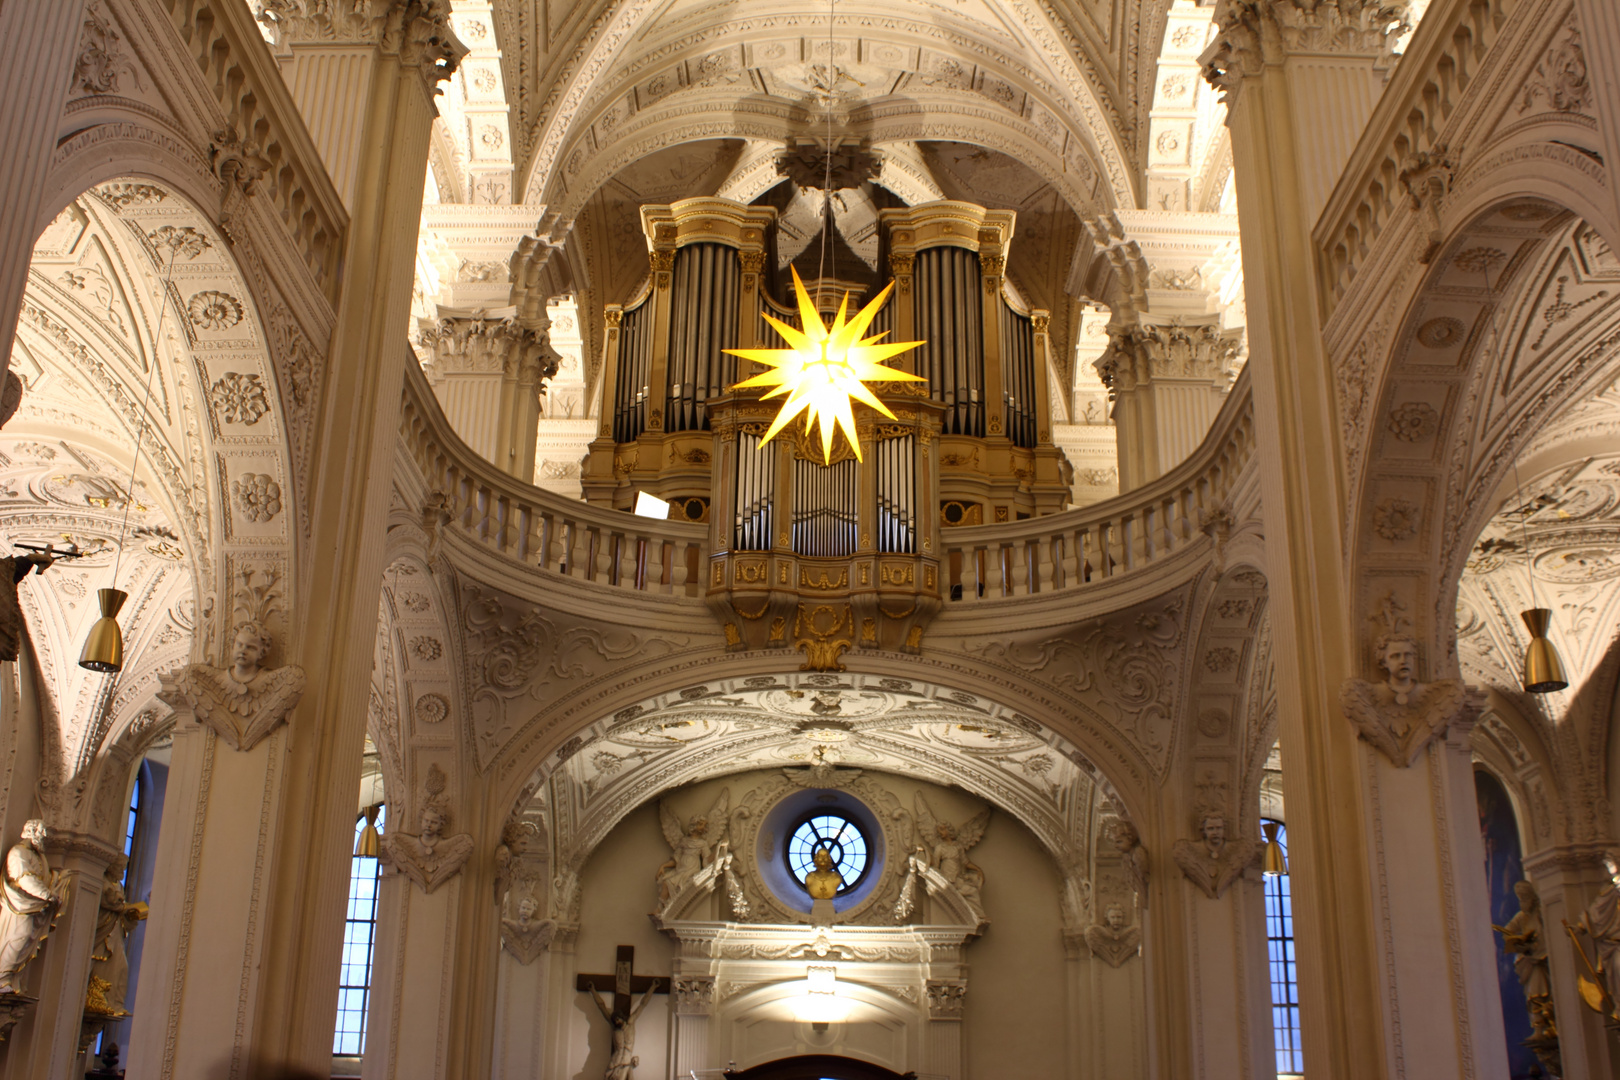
pixel 827 156
pixel 104 647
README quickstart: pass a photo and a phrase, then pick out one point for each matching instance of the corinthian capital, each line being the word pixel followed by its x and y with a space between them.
pixel 1253 33
pixel 417 30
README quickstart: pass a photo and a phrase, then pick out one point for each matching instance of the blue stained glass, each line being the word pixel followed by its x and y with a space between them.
pixel 842 838
pixel 1284 974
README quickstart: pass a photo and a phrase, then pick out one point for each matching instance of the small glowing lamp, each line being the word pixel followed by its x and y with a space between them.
pixel 827 367
pixel 821 1005
pixel 651 506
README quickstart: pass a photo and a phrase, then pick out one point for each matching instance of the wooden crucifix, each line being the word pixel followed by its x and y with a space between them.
pixel 622 1018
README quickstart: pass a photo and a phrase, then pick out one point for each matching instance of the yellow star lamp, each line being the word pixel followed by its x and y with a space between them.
pixel 827 368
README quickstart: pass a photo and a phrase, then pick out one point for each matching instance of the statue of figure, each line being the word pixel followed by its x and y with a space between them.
pixel 824 881
pixel 1401 715
pixel 947 847
pixel 524 936
pixel 32 896
pixel 11 617
pixel 1129 845
pixel 1601 921
pixel 109 962
pixel 1112 940
pixel 429 858
pixel 692 847
pixel 623 1057
pixel 508 855
pixel 1213 862
pixel 1525 937
pixel 244 702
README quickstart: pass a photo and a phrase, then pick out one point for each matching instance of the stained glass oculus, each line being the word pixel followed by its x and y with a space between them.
pixel 842 838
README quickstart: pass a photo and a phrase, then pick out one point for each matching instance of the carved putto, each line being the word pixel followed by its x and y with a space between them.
pixel 1213 862
pixel 244 702
pixel 523 935
pixel 1132 856
pixel 692 845
pixel 429 858
pixel 1111 940
pixel 109 960
pixel 946 847
pixel 1401 716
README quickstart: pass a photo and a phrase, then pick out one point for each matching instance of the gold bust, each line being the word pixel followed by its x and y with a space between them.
pixel 823 882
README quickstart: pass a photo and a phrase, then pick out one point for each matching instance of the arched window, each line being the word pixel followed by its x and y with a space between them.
pixel 1284 975
pixel 359 939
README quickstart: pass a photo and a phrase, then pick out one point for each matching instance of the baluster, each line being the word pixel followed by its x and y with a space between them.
pixel 545 552
pixel 972 573
pixel 1017 563
pixel 1147 526
pixel 677 569
pixel 1040 554
pixel 598 565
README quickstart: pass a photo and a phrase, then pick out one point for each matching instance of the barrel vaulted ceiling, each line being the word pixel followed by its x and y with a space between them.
pixel 1069 81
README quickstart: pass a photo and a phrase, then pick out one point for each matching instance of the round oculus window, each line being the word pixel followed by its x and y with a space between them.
pixel 839 836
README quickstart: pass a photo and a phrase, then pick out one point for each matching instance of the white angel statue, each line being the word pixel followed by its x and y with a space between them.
pixel 947 846
pixel 692 846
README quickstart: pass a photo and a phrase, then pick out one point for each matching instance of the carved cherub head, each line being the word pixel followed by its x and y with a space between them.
pixel 435 819
pixel 1212 826
pixel 1125 836
pixel 250 648
pixel 697 826
pixel 526 908
pixel 515 836
pixel 1526 892
pixel 33 832
pixel 946 831
pixel 1397 656
pixel 1114 916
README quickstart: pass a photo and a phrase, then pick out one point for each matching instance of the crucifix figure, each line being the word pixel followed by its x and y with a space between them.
pixel 622 1016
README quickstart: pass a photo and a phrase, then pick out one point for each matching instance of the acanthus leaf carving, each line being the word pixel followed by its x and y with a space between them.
pixel 1401 731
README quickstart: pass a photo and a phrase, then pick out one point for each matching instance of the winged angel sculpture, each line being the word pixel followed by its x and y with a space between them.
pixel 947 847
pixel 692 845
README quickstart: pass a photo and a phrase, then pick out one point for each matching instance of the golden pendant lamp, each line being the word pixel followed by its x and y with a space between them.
pixel 1543 670
pixel 104 648
pixel 1273 863
pixel 369 844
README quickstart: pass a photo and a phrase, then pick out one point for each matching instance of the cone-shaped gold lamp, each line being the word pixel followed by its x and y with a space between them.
pixel 1543 670
pixel 104 648
pixel 1273 862
pixel 369 844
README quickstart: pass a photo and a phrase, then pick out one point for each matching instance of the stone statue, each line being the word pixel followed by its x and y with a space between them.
pixel 1111 940
pixel 1401 715
pixel 244 702
pixel 824 881
pixel 1129 845
pixel 514 843
pixel 524 936
pixel 32 896
pixel 1525 938
pixel 947 847
pixel 109 962
pixel 429 858
pixel 622 1059
pixel 1213 862
pixel 693 846
pixel 1601 921
pixel 11 618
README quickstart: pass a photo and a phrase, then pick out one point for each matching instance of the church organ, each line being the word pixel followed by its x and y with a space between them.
pixel 836 554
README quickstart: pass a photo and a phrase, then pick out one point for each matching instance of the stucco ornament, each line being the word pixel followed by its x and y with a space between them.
pixel 1213 862
pixel 1400 716
pixel 1112 941
pixel 244 702
pixel 523 935
pixel 31 897
pixel 1133 857
pixel 429 857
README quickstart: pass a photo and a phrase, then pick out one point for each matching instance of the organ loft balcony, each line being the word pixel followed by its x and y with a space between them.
pixel 827 552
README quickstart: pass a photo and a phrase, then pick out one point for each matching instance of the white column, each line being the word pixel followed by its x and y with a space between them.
pixel 41 41
pixel 207 933
pixel 412 976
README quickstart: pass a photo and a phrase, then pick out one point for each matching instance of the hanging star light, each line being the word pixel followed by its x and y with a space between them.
pixel 827 368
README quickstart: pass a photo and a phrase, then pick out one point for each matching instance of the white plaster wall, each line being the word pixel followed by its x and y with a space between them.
pixel 617 890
